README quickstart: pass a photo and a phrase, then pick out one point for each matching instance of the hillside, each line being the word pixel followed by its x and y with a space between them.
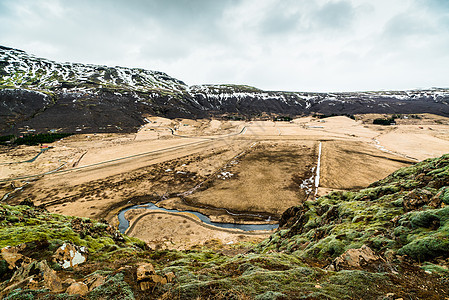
pixel 387 241
pixel 40 95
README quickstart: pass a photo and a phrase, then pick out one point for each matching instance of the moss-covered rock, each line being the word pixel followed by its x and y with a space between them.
pixel 404 213
pixel 24 224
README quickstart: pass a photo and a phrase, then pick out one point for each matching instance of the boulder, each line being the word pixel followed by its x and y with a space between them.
pixel 152 281
pixel 94 281
pixel 144 271
pixel 354 259
pixel 12 256
pixel 77 288
pixel 68 282
pixel 170 276
pixel 69 255
pixel 50 278
pixel 37 275
pixel 158 279
pixel 147 277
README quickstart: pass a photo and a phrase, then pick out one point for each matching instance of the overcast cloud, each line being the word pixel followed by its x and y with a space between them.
pixel 294 45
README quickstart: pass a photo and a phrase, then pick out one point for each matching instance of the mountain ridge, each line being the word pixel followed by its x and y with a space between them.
pixel 39 93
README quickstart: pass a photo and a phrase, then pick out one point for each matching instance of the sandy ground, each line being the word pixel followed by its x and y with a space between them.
pixel 248 168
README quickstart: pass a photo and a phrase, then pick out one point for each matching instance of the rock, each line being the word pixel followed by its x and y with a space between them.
pixel 38 274
pixel 145 285
pixel 416 199
pixel 288 217
pixel 20 284
pixel 159 279
pixel 69 255
pixel 77 288
pixel 170 276
pixel 147 277
pixel 50 278
pixel 294 218
pixel 86 227
pixel 68 282
pixel 12 256
pixel 152 281
pixel 144 271
pixel 94 281
pixel 354 259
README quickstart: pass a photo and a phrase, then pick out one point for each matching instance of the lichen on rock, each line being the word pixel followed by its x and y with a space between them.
pixel 69 255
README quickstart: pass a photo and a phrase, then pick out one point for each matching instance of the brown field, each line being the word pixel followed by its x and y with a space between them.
pixel 232 171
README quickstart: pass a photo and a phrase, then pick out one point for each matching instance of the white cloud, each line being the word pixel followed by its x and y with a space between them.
pixel 317 45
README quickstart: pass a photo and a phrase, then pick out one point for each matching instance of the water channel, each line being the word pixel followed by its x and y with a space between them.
pixel 124 223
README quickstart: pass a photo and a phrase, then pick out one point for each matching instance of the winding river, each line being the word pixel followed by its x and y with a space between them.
pixel 124 223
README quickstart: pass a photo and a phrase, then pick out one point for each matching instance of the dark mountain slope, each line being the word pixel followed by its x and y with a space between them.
pixel 44 95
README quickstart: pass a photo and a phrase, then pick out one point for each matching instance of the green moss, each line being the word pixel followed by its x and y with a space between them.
pixel 440 270
pixel 26 294
pixel 270 295
pixel 401 233
pixel 115 287
pixel 426 248
pixel 352 284
pixel 328 246
pixel 375 217
pixel 32 224
pixel 444 194
pixel 422 218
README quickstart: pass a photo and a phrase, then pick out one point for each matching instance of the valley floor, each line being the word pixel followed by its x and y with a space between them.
pixel 231 171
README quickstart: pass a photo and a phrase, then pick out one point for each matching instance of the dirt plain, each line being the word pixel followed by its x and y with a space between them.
pixel 231 171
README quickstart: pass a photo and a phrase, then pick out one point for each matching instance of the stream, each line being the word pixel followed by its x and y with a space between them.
pixel 124 223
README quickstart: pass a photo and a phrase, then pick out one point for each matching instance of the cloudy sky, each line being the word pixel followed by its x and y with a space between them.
pixel 293 45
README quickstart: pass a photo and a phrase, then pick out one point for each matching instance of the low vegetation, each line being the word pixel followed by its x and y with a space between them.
pixel 381 121
pixel 403 219
pixel 392 120
pixel 33 139
pixel 6 139
pixel 324 116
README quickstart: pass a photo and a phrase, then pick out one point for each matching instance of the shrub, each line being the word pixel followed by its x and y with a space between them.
pixel 381 121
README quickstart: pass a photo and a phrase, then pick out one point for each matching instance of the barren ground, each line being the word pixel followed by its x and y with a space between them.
pixel 254 170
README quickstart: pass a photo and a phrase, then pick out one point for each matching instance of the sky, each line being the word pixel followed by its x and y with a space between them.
pixel 282 45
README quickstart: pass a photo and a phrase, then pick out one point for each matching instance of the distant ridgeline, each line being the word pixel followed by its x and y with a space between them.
pixel 46 96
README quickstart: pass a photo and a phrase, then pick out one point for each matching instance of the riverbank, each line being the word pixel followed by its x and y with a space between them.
pixel 182 231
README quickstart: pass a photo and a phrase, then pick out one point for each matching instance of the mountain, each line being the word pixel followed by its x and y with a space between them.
pixel 387 241
pixel 42 95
